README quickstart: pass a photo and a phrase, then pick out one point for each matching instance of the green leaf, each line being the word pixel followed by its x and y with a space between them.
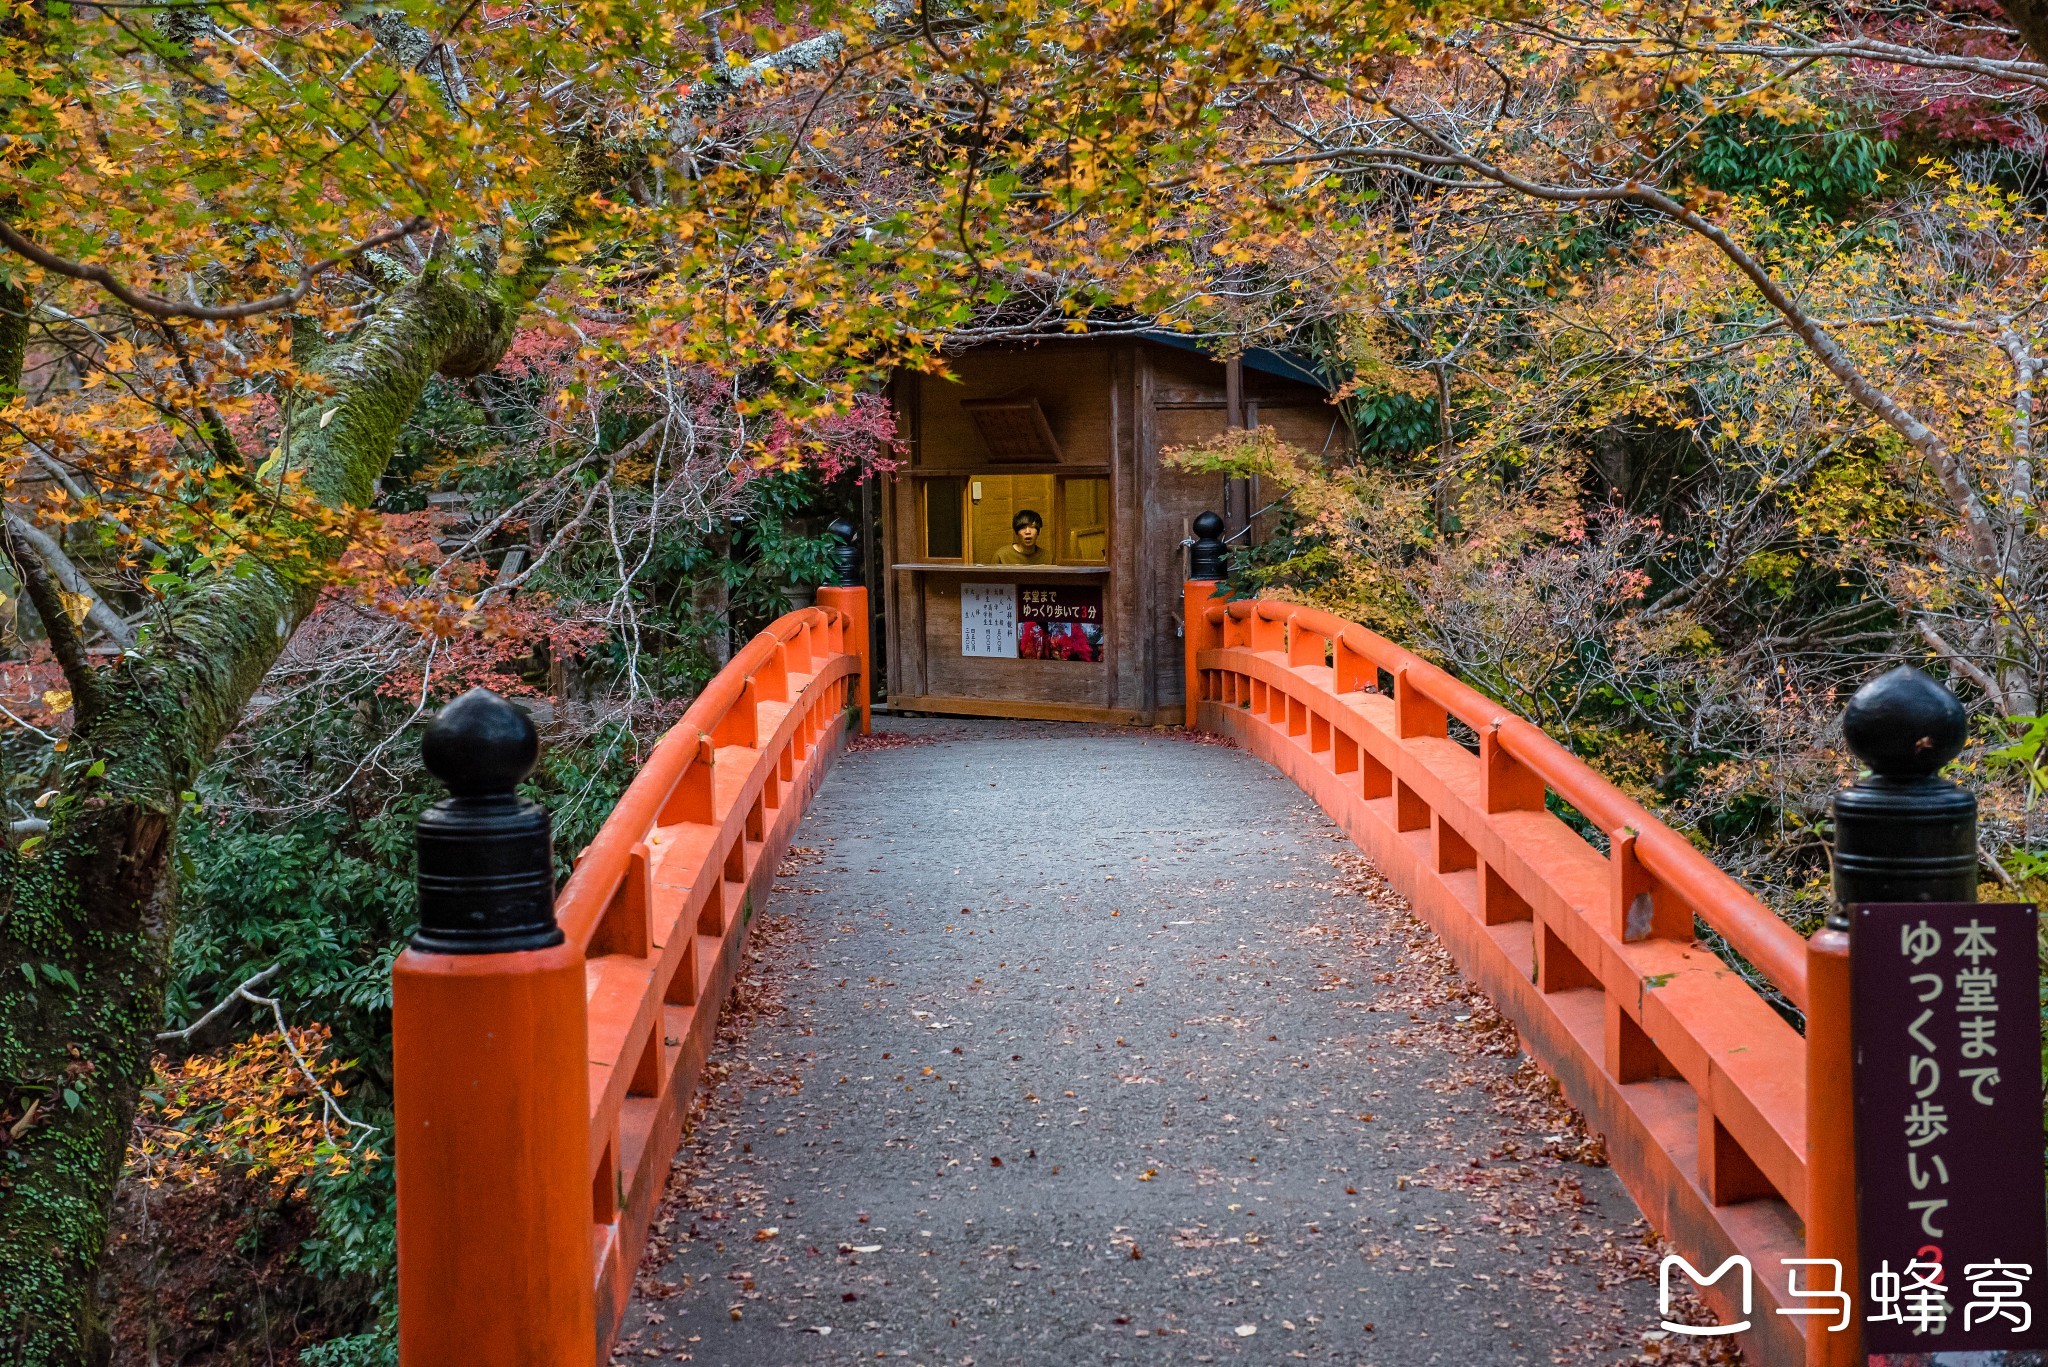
pixel 59 977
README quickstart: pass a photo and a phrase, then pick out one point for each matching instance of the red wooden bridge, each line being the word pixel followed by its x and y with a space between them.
pixel 541 1093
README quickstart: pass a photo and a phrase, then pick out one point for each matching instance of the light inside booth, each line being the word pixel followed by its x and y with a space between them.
pixel 973 519
pixel 997 501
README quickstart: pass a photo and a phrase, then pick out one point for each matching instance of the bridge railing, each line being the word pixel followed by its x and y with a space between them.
pixel 541 1094
pixel 1699 1086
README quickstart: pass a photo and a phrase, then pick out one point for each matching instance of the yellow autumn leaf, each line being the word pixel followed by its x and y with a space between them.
pixel 58 699
pixel 76 605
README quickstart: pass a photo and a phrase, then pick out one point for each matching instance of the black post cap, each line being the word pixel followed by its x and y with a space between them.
pixel 486 855
pixel 480 745
pixel 1904 834
pixel 1205 557
pixel 1905 725
pixel 846 555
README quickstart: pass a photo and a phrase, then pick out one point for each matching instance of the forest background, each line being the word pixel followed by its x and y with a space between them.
pixel 356 355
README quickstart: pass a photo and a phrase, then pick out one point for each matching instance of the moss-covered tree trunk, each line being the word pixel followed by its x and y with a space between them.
pixel 87 914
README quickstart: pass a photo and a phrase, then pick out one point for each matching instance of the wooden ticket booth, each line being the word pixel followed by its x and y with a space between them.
pixel 1083 625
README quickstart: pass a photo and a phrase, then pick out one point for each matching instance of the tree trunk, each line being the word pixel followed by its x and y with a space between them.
pixel 2030 17
pixel 87 931
pixel 1446 450
pixel 13 337
pixel 711 602
pixel 87 915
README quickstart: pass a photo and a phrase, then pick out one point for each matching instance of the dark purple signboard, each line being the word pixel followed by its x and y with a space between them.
pixel 1950 1204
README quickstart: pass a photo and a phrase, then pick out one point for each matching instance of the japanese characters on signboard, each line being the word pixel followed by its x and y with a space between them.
pixel 1946 1019
pixel 1059 622
pixel 1031 622
pixel 988 621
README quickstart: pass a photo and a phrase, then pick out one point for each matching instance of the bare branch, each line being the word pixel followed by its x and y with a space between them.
pixel 70 579
pixel 1856 49
pixel 86 695
pixel 245 991
pixel 1962 665
pixel 220 1008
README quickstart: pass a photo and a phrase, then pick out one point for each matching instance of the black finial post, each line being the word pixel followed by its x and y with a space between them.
pixel 1904 834
pixel 486 855
pixel 846 555
pixel 1205 557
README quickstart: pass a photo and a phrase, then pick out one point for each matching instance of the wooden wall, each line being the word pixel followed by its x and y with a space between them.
pixel 1070 380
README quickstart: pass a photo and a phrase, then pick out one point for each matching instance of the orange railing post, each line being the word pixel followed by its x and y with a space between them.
pixel 850 597
pixel 490 1074
pixel 1904 834
pixel 1205 571
pixel 1198 634
pixel 1831 1137
pixel 852 600
pixel 492 1100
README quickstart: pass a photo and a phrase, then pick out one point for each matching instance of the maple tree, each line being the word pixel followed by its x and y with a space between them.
pixel 1921 317
pixel 1698 378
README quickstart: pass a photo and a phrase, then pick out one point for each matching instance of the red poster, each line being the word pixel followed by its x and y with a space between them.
pixel 1059 622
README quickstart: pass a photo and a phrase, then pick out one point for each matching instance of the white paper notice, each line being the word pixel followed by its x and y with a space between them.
pixel 988 620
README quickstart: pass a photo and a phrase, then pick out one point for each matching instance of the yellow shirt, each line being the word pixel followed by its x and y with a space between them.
pixel 1013 554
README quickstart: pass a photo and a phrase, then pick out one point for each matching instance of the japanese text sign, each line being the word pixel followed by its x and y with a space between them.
pixel 988 620
pixel 1946 1018
pixel 1060 622
pixel 1061 603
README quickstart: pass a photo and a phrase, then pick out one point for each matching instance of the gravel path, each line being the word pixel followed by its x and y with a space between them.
pixel 1061 1044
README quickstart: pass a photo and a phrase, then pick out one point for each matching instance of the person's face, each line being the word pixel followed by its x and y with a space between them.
pixel 1027 535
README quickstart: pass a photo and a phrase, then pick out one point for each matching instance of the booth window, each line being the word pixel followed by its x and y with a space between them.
pixel 972 519
pixel 945 527
pixel 994 501
pixel 1084 521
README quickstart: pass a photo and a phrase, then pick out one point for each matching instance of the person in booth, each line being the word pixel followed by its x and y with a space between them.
pixel 1024 547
